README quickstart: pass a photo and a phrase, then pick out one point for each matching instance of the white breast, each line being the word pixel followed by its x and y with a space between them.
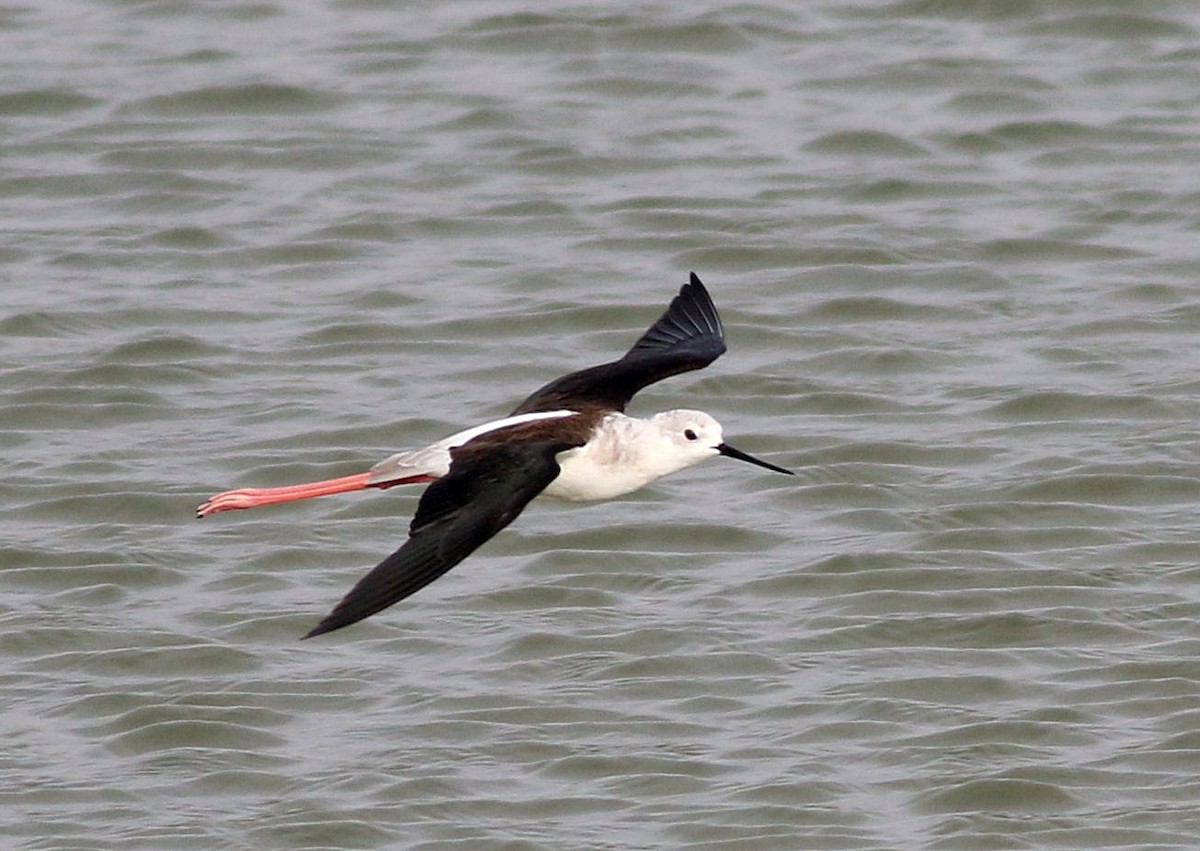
pixel 623 455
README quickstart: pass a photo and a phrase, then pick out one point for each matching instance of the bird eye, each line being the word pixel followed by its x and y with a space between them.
pixel 689 434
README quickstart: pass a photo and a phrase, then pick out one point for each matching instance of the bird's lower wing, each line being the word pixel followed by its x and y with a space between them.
pixel 487 487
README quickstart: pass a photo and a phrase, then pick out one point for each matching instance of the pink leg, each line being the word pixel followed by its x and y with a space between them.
pixel 254 497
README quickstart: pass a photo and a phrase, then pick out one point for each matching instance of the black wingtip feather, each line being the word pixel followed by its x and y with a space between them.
pixel 691 316
pixel 687 336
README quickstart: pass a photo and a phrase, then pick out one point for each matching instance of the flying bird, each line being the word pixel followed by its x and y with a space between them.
pixel 570 439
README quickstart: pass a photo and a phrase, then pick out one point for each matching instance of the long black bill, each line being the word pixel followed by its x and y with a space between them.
pixel 729 452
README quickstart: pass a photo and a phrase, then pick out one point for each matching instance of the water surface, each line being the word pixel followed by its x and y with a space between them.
pixel 258 243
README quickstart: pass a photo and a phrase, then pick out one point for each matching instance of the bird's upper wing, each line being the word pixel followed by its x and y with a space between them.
pixel 488 485
pixel 688 336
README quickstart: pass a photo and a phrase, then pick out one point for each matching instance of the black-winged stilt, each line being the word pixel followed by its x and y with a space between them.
pixel 571 439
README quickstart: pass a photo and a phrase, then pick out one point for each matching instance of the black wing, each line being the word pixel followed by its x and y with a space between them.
pixel 688 336
pixel 487 487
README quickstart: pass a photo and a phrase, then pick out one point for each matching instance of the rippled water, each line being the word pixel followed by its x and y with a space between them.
pixel 258 243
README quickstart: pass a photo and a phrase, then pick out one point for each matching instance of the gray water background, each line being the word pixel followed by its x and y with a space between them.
pixel 256 243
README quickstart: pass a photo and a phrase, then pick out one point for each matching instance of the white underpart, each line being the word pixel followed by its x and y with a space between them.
pixel 434 460
pixel 625 454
